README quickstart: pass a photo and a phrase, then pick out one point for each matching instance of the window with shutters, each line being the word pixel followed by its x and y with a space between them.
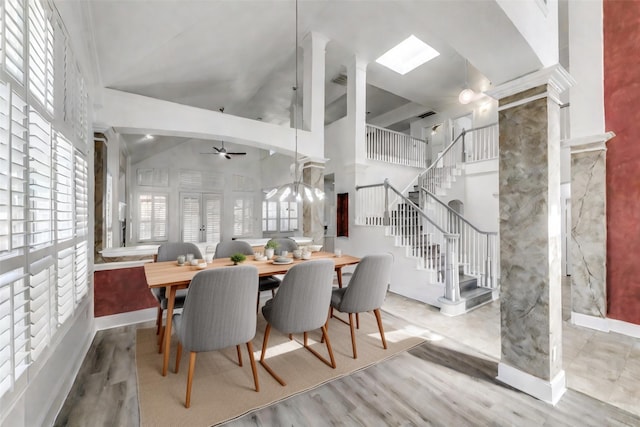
pixel 279 216
pixel 14 30
pixel 152 216
pixel 39 180
pixel 41 55
pixel 201 217
pixel 63 194
pixel 243 216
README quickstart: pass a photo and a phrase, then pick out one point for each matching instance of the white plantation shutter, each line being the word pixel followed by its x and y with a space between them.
pixel 81 272
pixel 5 168
pixel 39 180
pixel 40 55
pixel 63 190
pixel 213 217
pixel 14 38
pixel 81 185
pixel 12 350
pixel 65 284
pixel 191 218
pixel 40 287
pixel 20 325
pixel 243 216
pixel 152 214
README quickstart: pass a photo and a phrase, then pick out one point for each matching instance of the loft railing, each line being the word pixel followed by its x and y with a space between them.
pixel 395 147
pixel 435 247
pixel 480 143
pixel 478 250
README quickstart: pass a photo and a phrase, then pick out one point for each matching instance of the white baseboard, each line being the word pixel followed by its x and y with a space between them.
pixel 547 391
pixel 123 319
pixel 605 324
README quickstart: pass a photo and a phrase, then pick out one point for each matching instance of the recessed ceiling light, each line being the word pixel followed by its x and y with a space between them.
pixel 407 55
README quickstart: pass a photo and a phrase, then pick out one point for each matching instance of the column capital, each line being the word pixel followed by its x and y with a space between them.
pixel 588 143
pixel 555 77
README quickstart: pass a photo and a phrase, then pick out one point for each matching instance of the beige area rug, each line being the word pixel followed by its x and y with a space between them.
pixel 222 390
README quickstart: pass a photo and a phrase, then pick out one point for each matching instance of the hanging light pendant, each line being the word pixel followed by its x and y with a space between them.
pixel 466 95
pixel 296 191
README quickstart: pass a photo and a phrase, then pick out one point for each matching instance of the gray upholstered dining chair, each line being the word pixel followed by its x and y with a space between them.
pixel 226 249
pixel 284 244
pixel 366 292
pixel 170 252
pixel 301 305
pixel 218 313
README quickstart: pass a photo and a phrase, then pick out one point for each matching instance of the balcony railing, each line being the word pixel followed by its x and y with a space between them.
pixel 394 147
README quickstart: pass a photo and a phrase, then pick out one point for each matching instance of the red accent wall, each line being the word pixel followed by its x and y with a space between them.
pixel 120 291
pixel 622 116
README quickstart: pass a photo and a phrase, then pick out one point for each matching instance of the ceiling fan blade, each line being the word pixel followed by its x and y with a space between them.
pixel 227 156
pixel 217 149
pixel 238 154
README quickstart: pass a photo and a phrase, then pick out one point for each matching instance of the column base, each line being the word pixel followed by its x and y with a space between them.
pixel 547 391
pixel 451 309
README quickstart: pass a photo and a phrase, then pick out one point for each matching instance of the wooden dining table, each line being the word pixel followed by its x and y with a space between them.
pixel 172 276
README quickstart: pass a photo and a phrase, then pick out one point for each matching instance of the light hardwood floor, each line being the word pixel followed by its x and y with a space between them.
pixel 448 381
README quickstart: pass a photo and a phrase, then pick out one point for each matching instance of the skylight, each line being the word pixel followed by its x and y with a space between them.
pixel 407 55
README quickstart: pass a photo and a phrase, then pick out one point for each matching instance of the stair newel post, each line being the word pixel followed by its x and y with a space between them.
pixel 451 276
pixel 386 220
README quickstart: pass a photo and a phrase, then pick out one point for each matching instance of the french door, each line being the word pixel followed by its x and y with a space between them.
pixel 200 217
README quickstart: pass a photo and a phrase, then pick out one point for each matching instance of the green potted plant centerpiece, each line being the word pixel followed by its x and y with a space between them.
pixel 237 258
pixel 269 248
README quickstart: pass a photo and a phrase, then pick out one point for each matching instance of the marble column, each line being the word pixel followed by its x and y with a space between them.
pixel 313 212
pixel 530 233
pixel 100 174
pixel 589 231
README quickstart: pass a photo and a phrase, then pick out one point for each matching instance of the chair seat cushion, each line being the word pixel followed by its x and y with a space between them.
pixel 336 297
pixel 268 283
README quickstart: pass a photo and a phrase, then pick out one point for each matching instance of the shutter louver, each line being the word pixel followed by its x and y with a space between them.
pixel 65 279
pixel 40 285
pixel 11 283
pixel 40 55
pixel 213 217
pixel 63 163
pixel 5 169
pixel 81 277
pixel 14 38
pixel 81 197
pixel 39 180
pixel 18 172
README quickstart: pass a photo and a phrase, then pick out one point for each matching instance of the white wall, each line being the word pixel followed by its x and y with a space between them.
pixel 481 195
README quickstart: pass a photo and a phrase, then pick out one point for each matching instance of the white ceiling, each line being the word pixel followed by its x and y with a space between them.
pixel 240 54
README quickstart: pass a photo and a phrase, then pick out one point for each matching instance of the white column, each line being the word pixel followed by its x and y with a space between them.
pixel 357 107
pixel 313 89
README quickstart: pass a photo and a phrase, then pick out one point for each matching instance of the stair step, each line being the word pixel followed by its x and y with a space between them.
pixel 467 283
pixel 475 297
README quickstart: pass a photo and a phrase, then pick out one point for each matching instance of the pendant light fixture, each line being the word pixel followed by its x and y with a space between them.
pixel 466 95
pixel 296 191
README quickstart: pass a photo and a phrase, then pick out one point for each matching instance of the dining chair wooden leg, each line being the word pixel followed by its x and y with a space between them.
pixel 353 336
pixel 159 320
pixel 267 331
pixel 192 365
pixel 357 320
pixel 379 319
pixel 290 337
pixel 339 274
pixel 329 349
pixel 254 368
pixel 178 357
pixel 239 356
pixel 161 340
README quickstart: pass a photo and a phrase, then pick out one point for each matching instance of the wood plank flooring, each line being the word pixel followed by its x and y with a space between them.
pixel 440 383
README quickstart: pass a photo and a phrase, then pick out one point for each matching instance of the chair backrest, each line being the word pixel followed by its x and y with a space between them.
pixel 170 251
pixel 284 244
pixel 368 286
pixel 302 301
pixel 220 308
pixel 226 249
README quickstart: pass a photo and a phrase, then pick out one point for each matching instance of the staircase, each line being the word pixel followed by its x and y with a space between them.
pixel 452 251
